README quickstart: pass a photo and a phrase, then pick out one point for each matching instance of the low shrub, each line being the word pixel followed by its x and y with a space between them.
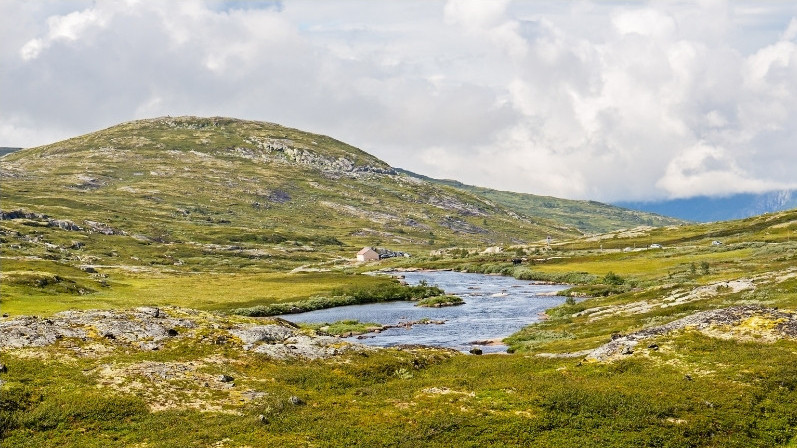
pixel 577 278
pixel 439 301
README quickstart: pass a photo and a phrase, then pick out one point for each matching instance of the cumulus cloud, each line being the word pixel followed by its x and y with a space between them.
pixel 582 100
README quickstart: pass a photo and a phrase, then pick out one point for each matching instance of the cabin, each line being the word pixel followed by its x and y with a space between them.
pixel 367 254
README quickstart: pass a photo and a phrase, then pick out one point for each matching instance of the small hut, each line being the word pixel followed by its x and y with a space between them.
pixel 367 254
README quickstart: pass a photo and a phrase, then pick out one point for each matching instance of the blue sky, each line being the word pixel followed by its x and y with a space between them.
pixel 587 100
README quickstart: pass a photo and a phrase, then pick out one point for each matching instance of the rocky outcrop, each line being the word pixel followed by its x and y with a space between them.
pixel 64 224
pixel 294 153
pixel 453 204
pixel 100 227
pixel 151 328
pixel 737 322
pixel 49 222
pixel 458 225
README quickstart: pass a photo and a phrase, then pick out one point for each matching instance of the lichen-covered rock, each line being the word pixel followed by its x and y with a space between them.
pixel 151 328
pixel 262 333
pixel 736 322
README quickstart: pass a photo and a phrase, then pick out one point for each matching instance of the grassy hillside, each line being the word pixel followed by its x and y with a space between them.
pixel 221 180
pixel 587 216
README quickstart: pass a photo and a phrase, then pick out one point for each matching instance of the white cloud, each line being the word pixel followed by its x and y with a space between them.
pixel 68 27
pixel 710 170
pixel 593 100
pixel 645 22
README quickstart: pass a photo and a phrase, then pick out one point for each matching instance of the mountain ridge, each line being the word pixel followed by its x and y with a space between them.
pixel 711 209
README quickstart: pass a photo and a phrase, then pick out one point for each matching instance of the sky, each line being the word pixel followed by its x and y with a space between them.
pixel 601 100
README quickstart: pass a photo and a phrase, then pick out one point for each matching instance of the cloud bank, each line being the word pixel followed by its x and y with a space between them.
pixel 606 101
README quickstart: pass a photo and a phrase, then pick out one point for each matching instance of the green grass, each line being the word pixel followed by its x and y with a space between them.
pixel 207 291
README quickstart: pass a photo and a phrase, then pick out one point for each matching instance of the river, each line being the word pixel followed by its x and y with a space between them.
pixel 495 307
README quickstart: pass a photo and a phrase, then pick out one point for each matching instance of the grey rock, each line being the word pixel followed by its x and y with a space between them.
pixel 148 328
pixel 296 401
pixel 262 333
pixel 149 311
pixel 149 346
pixel 225 378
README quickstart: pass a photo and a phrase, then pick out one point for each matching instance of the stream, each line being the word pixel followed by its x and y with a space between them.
pixel 495 307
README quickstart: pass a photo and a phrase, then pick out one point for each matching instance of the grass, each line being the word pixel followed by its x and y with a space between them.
pixel 207 291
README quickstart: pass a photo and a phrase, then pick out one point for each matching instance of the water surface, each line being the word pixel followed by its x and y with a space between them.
pixel 495 307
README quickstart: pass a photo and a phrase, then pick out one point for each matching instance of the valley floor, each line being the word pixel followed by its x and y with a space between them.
pixel 690 345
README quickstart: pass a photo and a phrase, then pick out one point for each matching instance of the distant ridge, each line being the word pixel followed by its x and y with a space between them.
pixel 711 209
pixel 7 150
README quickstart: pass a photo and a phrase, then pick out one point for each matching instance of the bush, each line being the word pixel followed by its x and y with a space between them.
pixel 579 278
pixel 613 279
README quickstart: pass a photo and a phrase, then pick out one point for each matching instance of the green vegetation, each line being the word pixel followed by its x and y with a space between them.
pixel 256 219
pixel 587 216
pixel 344 327
pixel 345 296
pixel 438 301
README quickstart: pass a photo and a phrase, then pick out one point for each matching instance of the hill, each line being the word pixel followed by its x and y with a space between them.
pixel 222 181
pixel 587 216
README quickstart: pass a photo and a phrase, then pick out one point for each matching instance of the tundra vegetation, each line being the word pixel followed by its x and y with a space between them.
pixel 186 232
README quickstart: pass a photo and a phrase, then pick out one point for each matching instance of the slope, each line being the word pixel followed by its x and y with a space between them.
pixel 220 180
pixel 587 216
